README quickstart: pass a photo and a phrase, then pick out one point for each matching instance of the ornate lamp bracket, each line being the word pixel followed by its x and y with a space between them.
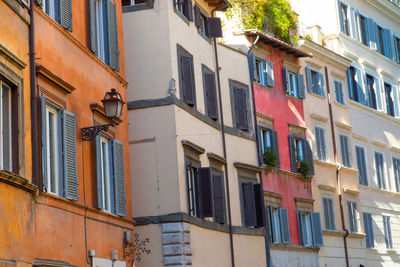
pixel 89 133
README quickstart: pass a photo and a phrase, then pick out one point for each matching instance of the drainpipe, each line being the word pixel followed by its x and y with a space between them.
pixel 267 234
pixel 338 169
pixel 224 145
pixel 34 104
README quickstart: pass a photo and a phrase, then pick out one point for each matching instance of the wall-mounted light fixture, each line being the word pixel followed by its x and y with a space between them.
pixel 113 105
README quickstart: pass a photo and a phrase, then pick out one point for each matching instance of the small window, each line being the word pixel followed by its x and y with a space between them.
pixel 315 82
pixel 345 150
pixel 387 232
pixel 396 170
pixel 52 8
pixel 380 170
pixel 258 70
pixel 269 147
pixel 320 143
pixel 363 29
pixel 240 107
pixel 264 72
pixel 329 214
pixel 344 21
pixel 203 24
pixel 278 222
pixel 106 173
pixel 369 230
pixel 353 215
pixel 361 165
pixel 381 42
pixel 185 8
pixel 301 156
pixel 53 153
pixel 299 149
pixel 389 100
pixel 310 229
pixel 294 83
pixel 339 93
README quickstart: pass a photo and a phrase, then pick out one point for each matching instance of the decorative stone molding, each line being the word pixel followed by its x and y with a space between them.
pixel 319 117
pixel 217 158
pixel 304 204
pixel 192 146
pixel 297 130
pixel 265 121
pixel 272 199
pixel 327 188
pixel 176 244
pixel 343 125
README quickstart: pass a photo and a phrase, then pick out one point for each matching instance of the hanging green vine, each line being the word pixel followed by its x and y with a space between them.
pixel 275 16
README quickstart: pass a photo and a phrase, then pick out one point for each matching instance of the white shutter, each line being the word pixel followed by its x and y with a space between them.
pixel 396 101
pixel 377 85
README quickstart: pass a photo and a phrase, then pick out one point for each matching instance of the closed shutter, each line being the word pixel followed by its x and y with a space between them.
pixel 99 174
pixel 284 219
pixel 263 73
pixel 258 200
pixel 321 84
pixel 93 25
pixel 316 229
pixel 69 148
pixel 361 165
pixel 318 142
pixel 396 55
pixel 197 16
pixel 326 213
pixel 377 86
pixel 249 208
pixel 188 11
pixel 350 83
pixel 396 170
pixel 66 14
pixel 240 108
pixel 396 100
pixel 301 232
pixel 44 138
pixel 353 24
pixel 368 228
pixel 113 36
pixel 350 215
pixel 211 96
pixel 214 27
pixel 371 33
pixel 187 79
pixel 205 193
pixel 119 178
pixel 308 156
pixel 270 73
pixel 292 153
pixel 219 199
pixel 252 65
pixel 309 80
pixel 271 222
pixel 286 81
pixel 275 148
pixel 302 88
pixel 388 44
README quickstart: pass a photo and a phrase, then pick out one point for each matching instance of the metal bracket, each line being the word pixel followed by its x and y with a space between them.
pixel 89 133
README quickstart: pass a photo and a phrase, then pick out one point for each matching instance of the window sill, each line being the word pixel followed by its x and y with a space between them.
pixel 348 169
pixel 368 109
pixel 333 233
pixel 357 235
pixel 183 17
pixel 138 7
pixel 262 85
pixel 204 36
pixel 317 95
pixel 391 251
pixel 340 104
pixel 325 163
pixel 291 247
pixel 294 97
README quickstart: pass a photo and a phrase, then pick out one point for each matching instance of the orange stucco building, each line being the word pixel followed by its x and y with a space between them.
pixel 65 201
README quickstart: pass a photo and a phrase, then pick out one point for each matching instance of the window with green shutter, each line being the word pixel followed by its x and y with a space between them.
pixel 320 143
pixel 293 83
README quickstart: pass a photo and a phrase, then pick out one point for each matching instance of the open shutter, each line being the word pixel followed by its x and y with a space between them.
pixel 44 147
pixel 258 200
pixel 240 108
pixel 286 80
pixel 350 83
pixel 66 14
pixel 321 84
pixel 371 33
pixel 270 73
pixel 249 208
pixel 214 27
pixel 308 156
pixel 119 178
pixel 361 94
pixel 368 229
pixel 377 86
pixel 388 44
pixel 99 172
pixel 396 101
pixel 93 25
pixel 271 222
pixel 275 147
pixel 340 17
pixel 263 73
pixel 316 229
pixel 69 148
pixel 197 16
pixel 284 220
pixel 211 96
pixel 353 24
pixel 219 199
pixel 188 12
pixel 302 234
pixel 113 36
pixel 252 65
pixel 292 152
pixel 309 80
pixel 396 56
pixel 187 79
pixel 302 89
pixel 205 193
pixel 260 145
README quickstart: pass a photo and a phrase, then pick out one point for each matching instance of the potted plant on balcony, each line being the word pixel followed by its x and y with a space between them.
pixel 269 158
pixel 303 168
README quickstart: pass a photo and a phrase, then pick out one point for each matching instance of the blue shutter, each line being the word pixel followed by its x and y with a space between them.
pixel 302 89
pixel 263 73
pixel 371 33
pixel 286 80
pixel 309 80
pixel 69 148
pixel 119 178
pixel 321 83
pixel 316 229
pixel 44 147
pixel 112 35
pixel 300 223
pixel 361 93
pixel 340 17
pixel 272 223
pixel 377 85
pixel 350 84
pixel 270 73
pixel 93 25
pixel 99 172
pixel 66 14
pixel 388 43
pixel 252 64
pixel 353 24
pixel 396 101
pixel 396 55
pixel 284 220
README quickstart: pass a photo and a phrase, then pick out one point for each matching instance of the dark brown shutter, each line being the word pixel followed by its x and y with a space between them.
pixel 189 10
pixel 292 152
pixel 197 16
pixel 205 193
pixel 240 108
pixel 271 223
pixel 211 96
pixel 249 208
pixel 219 199
pixel 308 156
pixel 275 148
pixel 214 27
pixel 187 79
pixel 258 200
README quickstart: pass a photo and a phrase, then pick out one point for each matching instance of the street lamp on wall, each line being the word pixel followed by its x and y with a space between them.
pixel 113 105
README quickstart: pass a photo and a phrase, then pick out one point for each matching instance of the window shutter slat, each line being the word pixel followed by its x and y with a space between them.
pixel 378 93
pixel 119 178
pixel 275 148
pixel 93 32
pixel 285 226
pixel 187 79
pixel 197 16
pixel 301 232
pixel 249 205
pixel 286 85
pixel 214 27
pixel 309 156
pixel 113 36
pixel 396 49
pixel 302 89
pixel 44 147
pixel 66 14
pixel 219 199
pixel 316 229
pixel 396 101
pixel 205 195
pixel 70 162
pixel 361 93
pixel 211 96
pixel 270 73
pixel 292 152
pixel 240 108
pixel 258 200
pixel 309 80
pixel 99 172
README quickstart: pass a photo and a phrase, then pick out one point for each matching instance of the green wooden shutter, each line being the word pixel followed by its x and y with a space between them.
pixel 284 220
pixel 214 28
pixel 211 95
pixel 316 229
pixel 66 14
pixel 240 108
pixel 99 174
pixel 112 35
pixel 187 79
pixel 69 149
pixel 44 147
pixel 219 199
pixel 258 203
pixel 197 16
pixel 119 178
pixel 93 25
